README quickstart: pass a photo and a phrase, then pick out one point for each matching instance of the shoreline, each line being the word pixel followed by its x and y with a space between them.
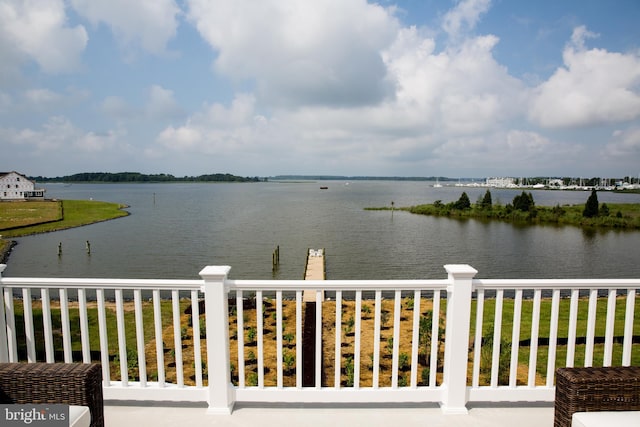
pixel 73 220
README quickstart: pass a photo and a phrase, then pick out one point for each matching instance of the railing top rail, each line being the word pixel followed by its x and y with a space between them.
pixel 77 283
pixel 337 285
pixel 496 284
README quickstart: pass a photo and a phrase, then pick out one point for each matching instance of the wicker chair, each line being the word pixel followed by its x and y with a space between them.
pixel 63 383
pixel 595 389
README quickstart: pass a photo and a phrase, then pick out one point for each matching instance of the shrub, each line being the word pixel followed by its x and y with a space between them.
pixel 523 202
pixel 591 207
pixel 463 202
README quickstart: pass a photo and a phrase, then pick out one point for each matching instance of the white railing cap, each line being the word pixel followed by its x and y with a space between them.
pixel 215 272
pixel 461 270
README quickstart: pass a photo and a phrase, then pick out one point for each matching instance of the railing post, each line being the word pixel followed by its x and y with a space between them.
pixel 4 344
pixel 221 392
pixel 456 347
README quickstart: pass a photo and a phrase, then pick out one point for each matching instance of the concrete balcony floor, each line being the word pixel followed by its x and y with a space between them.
pixel 158 415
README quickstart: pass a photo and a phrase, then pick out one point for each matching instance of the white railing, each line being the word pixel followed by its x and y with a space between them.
pixel 444 341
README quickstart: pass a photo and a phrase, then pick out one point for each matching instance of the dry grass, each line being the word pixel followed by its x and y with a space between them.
pixel 328 343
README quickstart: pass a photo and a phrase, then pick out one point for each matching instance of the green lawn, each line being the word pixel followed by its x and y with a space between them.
pixel 75 213
pixel 563 323
pixel 21 214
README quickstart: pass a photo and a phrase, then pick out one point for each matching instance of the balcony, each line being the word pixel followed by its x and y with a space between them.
pixel 401 350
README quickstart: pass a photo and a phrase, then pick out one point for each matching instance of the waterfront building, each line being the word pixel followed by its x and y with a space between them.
pixel 14 186
pixel 501 182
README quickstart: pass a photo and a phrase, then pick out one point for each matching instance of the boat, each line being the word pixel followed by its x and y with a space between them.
pixel 324 188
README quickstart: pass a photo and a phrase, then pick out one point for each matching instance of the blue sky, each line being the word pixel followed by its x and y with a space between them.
pixel 468 88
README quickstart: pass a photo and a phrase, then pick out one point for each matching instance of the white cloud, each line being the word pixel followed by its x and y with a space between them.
pixel 38 30
pixel 42 99
pixel 117 108
pixel 58 135
pixel 464 16
pixel 149 24
pixel 215 129
pixel 161 104
pixel 624 144
pixel 300 53
pixel 594 87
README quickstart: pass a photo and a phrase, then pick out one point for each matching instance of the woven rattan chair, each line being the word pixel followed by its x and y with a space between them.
pixel 595 389
pixel 64 383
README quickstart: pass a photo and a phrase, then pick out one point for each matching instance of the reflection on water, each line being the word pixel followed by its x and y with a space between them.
pixel 174 230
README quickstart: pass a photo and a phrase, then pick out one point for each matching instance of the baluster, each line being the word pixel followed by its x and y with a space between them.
pixel 515 338
pixel 376 340
pixel 66 328
pixel 195 328
pixel 157 323
pixel 609 328
pixel 84 326
pixel 259 321
pixel 553 337
pixel 319 338
pixel 356 346
pixel 104 343
pixel 415 339
pixel 28 325
pixel 299 339
pixel 240 324
pixel 535 330
pixel 591 328
pixel 46 324
pixel 573 321
pixel 177 337
pixel 497 337
pixel 435 339
pixel 338 341
pixel 140 339
pixel 477 344
pixel 628 327
pixel 11 325
pixel 122 340
pixel 396 339
pixel 279 337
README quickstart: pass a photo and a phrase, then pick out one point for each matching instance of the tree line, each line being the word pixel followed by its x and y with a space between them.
pixel 523 209
pixel 140 177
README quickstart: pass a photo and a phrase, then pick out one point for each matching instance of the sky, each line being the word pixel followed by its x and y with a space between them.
pixel 470 88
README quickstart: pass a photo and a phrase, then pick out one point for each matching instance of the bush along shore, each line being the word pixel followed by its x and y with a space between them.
pixel 523 210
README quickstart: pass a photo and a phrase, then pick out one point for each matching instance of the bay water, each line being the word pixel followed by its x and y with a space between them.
pixel 174 230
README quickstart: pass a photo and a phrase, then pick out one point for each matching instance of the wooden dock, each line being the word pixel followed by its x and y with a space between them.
pixel 314 271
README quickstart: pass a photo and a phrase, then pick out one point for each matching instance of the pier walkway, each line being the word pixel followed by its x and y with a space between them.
pixel 314 271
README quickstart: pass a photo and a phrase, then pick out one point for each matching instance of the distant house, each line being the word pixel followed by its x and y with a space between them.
pixel 14 186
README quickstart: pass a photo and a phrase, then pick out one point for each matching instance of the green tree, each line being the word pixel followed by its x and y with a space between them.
pixel 486 201
pixel 524 202
pixel 463 202
pixel 591 207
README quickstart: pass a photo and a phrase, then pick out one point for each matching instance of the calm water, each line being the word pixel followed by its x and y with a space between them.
pixel 174 230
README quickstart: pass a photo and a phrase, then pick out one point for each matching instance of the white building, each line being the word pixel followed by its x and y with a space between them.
pixel 500 182
pixel 14 186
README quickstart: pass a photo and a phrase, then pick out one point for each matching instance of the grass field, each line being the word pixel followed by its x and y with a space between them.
pixel 36 217
pixel 21 214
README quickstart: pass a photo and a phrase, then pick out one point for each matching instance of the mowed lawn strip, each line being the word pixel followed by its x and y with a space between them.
pixel 20 214
pixel 75 214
